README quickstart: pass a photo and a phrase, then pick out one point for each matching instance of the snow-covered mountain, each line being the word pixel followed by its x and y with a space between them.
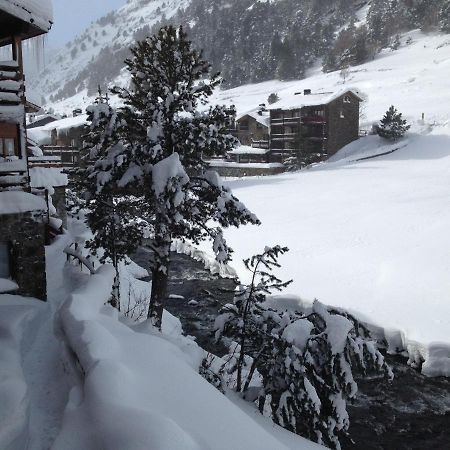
pixel 246 40
pixel 87 61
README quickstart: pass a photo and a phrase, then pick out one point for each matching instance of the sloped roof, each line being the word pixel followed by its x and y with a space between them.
pixel 39 13
pixel 313 99
pixel 263 119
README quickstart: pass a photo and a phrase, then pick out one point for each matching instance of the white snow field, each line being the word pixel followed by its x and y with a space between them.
pixel 370 236
pixel 75 376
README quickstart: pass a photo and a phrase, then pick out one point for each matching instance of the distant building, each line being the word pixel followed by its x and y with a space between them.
pixel 41 120
pixel 62 138
pixel 252 128
pixel 313 122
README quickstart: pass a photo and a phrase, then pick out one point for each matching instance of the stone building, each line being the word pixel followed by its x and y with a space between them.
pixel 320 123
pixel 252 128
pixel 23 216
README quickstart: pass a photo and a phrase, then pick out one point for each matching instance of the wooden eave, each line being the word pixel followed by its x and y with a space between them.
pixel 13 26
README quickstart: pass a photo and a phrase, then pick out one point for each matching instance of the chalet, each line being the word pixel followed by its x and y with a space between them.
pixel 41 120
pixel 62 138
pixel 252 128
pixel 23 215
pixel 319 123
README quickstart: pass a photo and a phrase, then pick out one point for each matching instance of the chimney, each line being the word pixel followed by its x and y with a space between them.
pixel 307 92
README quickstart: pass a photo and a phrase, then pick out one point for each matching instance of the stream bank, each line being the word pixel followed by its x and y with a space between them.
pixel 411 413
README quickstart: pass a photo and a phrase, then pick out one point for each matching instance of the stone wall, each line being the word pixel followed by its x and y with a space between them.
pixel 25 234
pixel 256 131
pixel 342 123
pixel 236 171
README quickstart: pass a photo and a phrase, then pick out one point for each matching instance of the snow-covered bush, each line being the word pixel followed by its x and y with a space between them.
pixel 306 361
pixel 392 126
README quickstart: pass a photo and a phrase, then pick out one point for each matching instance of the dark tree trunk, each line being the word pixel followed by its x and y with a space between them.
pixel 158 297
pixel 160 279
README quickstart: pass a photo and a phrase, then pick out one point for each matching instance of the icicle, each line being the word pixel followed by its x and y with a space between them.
pixel 34 54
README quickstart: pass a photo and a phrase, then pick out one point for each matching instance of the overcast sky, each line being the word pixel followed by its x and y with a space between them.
pixel 73 16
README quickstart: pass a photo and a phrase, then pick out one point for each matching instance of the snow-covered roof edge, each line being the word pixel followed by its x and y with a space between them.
pixel 263 118
pixel 37 12
pixel 16 202
pixel 314 99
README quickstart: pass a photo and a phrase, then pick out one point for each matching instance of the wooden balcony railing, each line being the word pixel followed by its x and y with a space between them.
pixel 12 88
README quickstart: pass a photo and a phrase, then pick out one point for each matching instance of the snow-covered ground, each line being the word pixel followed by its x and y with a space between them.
pixel 75 376
pixel 370 236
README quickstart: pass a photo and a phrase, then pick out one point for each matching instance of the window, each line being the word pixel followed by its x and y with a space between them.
pixel 5 267
pixel 347 99
pixel 9 147
pixel 341 114
pixel 9 133
pixel 318 112
pixel 243 126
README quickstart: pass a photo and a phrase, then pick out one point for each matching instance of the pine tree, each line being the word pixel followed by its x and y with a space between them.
pixel 392 126
pixel 273 98
pixel 444 17
pixel 159 148
pixel 108 215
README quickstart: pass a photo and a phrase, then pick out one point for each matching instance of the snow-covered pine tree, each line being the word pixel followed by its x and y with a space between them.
pixel 306 360
pixel 273 98
pixel 108 213
pixel 444 17
pixel 159 150
pixel 392 126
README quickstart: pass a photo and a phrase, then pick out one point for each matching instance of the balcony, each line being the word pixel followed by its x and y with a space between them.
pixel 12 92
pixel 260 144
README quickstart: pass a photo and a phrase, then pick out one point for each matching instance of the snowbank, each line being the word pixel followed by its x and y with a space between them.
pixel 7 285
pixel 14 202
pixel 47 177
pixel 209 262
pixel 15 314
pixel 142 389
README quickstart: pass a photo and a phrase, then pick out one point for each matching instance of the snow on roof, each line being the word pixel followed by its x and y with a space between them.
pixel 43 177
pixel 247 150
pixel 15 202
pixel 37 12
pixel 263 119
pixel 40 136
pixel 313 99
pixel 65 124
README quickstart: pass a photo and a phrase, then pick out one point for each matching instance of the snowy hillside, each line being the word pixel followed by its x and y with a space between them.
pixel 67 69
pixel 413 78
